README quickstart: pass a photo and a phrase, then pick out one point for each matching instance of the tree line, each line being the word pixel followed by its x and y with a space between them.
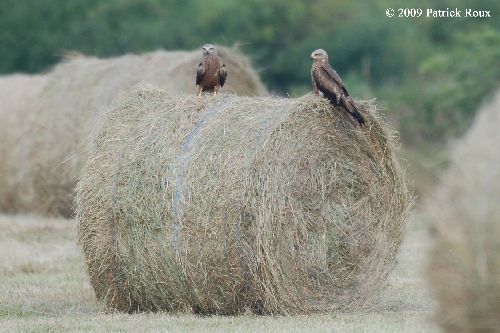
pixel 430 73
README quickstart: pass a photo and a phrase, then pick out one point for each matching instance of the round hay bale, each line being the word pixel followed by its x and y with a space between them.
pixel 232 204
pixel 18 96
pixel 77 90
pixel 464 269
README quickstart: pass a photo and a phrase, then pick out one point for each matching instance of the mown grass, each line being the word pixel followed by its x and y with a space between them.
pixel 44 288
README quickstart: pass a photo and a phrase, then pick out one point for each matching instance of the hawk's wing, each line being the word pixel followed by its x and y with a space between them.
pixel 327 85
pixel 222 75
pixel 200 73
pixel 329 72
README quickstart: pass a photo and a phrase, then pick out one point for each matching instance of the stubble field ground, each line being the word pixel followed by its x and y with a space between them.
pixel 44 288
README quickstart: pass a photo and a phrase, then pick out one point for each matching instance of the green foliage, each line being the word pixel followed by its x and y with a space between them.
pixel 435 70
pixel 278 34
pixel 461 77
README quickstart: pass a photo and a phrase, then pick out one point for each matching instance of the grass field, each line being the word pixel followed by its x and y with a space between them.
pixel 44 288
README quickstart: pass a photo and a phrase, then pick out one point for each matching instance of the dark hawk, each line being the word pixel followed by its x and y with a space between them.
pixel 326 80
pixel 211 74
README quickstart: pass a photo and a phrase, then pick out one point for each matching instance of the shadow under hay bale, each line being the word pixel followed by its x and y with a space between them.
pixel 64 111
pixel 464 270
pixel 230 204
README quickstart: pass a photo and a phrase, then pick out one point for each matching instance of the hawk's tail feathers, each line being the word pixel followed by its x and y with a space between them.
pixel 354 111
pixel 349 105
pixel 358 117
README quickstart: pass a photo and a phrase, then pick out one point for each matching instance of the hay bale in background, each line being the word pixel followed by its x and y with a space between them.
pixel 18 96
pixel 77 90
pixel 465 264
pixel 220 205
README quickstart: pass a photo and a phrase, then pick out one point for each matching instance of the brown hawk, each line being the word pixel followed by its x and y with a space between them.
pixel 211 74
pixel 326 80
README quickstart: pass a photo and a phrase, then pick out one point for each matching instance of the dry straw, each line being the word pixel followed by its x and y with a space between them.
pixel 53 149
pixel 17 100
pixel 465 263
pixel 232 204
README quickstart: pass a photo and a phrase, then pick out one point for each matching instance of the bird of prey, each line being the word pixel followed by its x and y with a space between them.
pixel 326 80
pixel 211 74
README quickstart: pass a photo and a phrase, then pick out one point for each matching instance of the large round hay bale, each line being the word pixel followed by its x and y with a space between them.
pixel 77 90
pixel 229 204
pixel 464 268
pixel 18 96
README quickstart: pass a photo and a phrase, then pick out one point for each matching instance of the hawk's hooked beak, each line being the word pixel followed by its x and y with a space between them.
pixel 312 56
